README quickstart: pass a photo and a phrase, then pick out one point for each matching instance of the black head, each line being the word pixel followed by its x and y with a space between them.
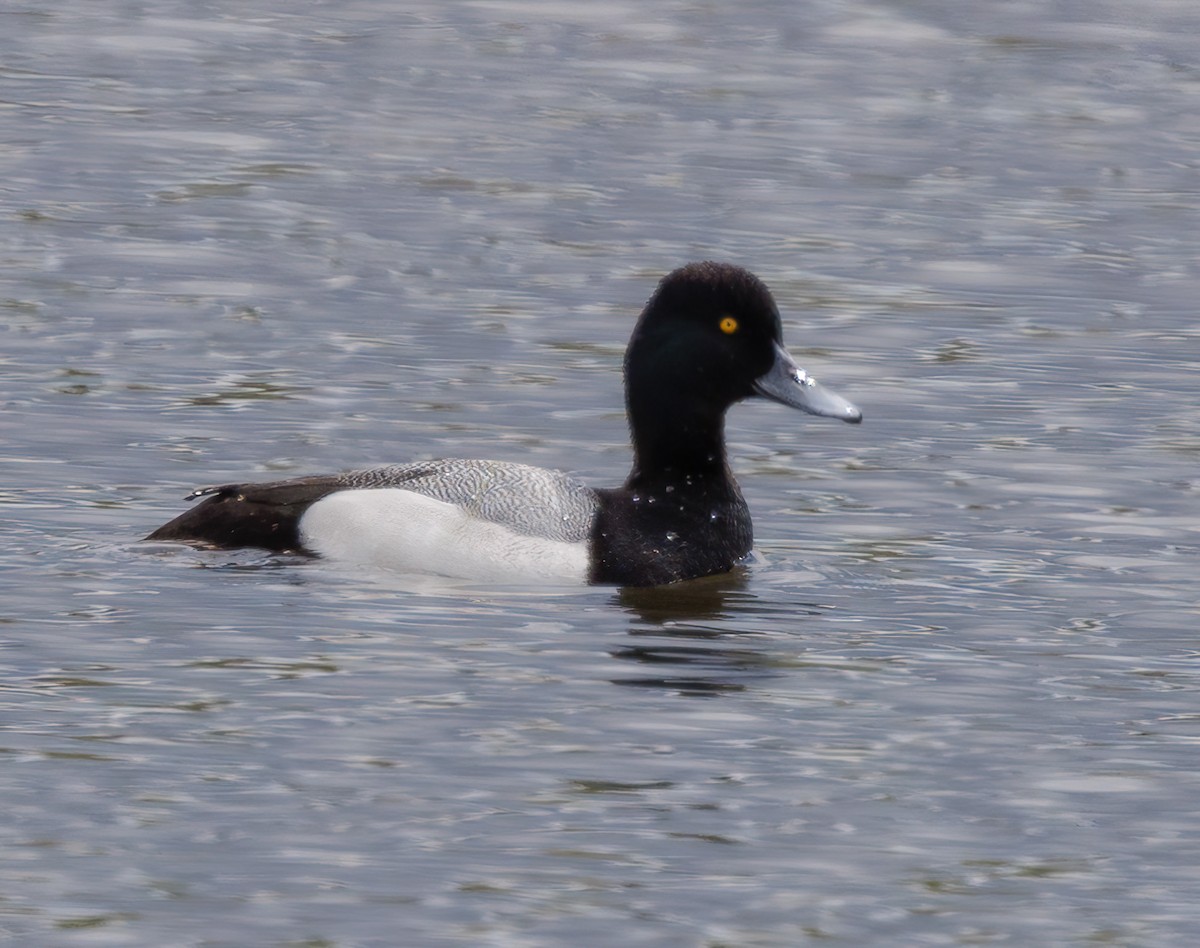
pixel 710 336
pixel 707 334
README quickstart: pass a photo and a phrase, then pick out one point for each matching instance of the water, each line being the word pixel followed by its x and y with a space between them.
pixel 956 702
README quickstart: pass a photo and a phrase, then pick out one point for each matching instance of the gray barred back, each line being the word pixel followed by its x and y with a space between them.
pixel 531 500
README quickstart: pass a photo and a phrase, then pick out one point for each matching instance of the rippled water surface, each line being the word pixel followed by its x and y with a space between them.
pixel 956 701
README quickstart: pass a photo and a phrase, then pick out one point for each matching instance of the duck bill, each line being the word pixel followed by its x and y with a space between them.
pixel 789 384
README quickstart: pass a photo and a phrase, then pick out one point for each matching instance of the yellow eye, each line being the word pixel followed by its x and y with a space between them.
pixel 729 325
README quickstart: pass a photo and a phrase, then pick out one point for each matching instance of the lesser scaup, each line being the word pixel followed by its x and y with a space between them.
pixel 710 336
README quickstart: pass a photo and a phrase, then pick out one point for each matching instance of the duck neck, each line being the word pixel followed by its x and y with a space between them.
pixel 677 448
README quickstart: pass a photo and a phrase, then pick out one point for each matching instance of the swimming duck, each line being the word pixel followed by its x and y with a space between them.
pixel 709 337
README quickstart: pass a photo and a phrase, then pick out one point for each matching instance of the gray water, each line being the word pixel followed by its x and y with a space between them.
pixel 955 703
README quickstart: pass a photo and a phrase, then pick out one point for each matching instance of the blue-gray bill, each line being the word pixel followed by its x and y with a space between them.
pixel 789 384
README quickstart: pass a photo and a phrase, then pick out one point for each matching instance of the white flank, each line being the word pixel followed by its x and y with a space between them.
pixel 398 530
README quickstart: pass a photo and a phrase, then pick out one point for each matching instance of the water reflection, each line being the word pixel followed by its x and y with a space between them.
pixel 693 670
pixel 701 611
pixel 707 598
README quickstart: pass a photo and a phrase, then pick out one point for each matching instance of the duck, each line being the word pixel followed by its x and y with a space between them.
pixel 710 336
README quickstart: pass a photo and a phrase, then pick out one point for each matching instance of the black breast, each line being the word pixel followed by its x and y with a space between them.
pixel 649 538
